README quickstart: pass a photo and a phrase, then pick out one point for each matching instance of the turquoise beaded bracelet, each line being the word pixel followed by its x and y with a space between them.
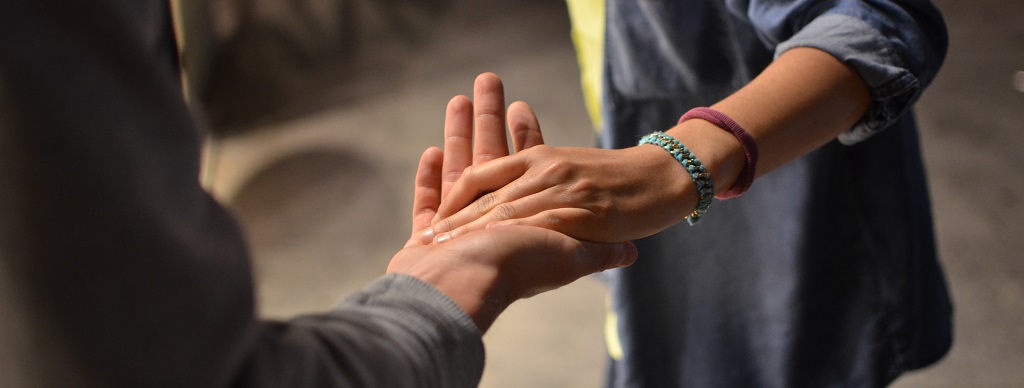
pixel 701 178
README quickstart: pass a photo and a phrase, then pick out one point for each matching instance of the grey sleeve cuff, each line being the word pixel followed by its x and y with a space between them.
pixel 445 339
pixel 893 87
pixel 396 332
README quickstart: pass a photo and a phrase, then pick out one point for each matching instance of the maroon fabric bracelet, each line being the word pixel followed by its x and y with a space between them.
pixel 746 178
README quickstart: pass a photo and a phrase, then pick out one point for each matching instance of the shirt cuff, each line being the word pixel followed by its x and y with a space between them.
pixel 856 43
pixel 458 344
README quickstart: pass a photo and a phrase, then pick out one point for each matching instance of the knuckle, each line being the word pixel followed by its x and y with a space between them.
pixel 588 194
pixel 490 112
pixel 539 151
pixel 575 193
pixel 485 157
pixel 557 165
pixel 444 225
pixel 485 202
pixel 468 172
pixel 601 209
pixel 601 205
pixel 585 185
pixel 504 211
pixel 552 220
pixel 451 176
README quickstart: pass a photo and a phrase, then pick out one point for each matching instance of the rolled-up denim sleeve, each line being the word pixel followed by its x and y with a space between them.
pixel 897 47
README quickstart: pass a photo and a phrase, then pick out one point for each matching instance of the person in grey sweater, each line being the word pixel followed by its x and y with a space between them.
pixel 118 270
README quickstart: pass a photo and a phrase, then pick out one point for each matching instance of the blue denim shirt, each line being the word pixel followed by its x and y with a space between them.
pixel 657 47
pixel 825 272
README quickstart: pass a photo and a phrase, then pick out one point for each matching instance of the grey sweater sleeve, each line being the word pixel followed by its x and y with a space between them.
pixel 118 270
pixel 397 332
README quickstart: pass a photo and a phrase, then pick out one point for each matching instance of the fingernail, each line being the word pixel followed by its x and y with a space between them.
pixel 443 237
pixel 427 236
pixel 628 252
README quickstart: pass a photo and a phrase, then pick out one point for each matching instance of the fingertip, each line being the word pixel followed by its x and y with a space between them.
pixel 488 84
pixel 440 226
pixel 427 236
pixel 521 115
pixel 520 105
pixel 428 172
pixel 523 124
pixel 627 254
pixel 432 153
pixel 487 78
pixel 459 104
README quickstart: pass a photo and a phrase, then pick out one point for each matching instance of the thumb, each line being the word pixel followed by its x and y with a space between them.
pixel 597 257
pixel 427 191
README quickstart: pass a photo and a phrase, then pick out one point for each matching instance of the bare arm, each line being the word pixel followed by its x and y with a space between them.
pixel 801 101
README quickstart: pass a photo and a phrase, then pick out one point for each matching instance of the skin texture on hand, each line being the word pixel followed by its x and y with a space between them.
pixel 474 133
pixel 598 195
pixel 801 101
pixel 485 271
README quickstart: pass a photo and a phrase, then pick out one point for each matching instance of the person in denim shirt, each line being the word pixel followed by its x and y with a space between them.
pixel 824 272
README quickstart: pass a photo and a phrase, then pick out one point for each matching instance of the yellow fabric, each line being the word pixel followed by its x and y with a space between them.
pixel 611 332
pixel 588 18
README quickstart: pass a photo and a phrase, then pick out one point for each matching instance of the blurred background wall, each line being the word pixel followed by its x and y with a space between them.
pixel 319 110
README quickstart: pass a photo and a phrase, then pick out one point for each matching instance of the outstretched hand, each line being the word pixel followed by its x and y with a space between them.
pixel 474 133
pixel 486 270
pixel 590 194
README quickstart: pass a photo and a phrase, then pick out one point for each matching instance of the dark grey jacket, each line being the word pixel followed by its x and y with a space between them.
pixel 118 270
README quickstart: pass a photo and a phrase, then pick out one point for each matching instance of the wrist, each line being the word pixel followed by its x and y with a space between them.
pixel 720 152
pixel 676 192
pixel 474 288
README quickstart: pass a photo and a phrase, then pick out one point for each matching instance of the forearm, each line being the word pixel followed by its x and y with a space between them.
pixel 396 332
pixel 843 70
pixel 803 100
